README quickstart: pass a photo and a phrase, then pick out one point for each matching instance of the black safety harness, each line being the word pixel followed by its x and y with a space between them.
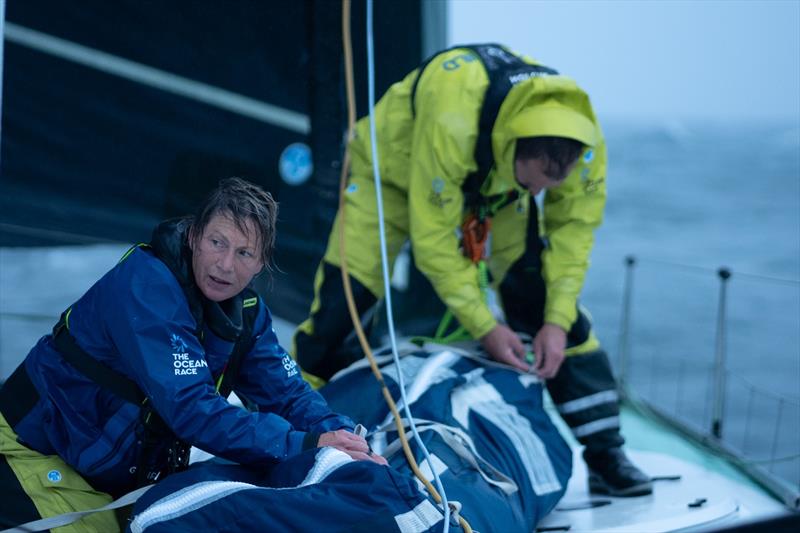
pixel 504 70
pixel 161 451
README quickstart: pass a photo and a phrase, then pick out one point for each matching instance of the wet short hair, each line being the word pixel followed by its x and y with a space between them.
pixel 558 152
pixel 240 200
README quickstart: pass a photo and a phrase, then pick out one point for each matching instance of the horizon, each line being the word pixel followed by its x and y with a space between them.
pixel 728 55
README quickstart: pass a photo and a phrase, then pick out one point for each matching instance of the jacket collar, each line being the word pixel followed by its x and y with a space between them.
pixel 171 245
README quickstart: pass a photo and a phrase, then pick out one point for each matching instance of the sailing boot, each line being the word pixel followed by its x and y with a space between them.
pixel 612 473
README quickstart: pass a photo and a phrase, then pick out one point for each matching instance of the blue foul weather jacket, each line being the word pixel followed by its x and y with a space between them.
pixel 147 320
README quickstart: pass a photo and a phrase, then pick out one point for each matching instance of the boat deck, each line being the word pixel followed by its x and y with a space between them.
pixel 709 494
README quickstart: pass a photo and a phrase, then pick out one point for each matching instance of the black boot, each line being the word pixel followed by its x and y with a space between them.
pixel 610 472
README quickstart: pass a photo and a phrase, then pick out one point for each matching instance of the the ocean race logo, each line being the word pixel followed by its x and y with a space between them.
pixel 289 365
pixel 177 343
pixel 181 363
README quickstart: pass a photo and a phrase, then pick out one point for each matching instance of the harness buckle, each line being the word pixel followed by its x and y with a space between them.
pixel 475 232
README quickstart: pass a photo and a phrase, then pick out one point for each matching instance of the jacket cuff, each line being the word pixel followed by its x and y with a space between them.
pixel 483 325
pixel 296 442
pixel 310 441
pixel 561 320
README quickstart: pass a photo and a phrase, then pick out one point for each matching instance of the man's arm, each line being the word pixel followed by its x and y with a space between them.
pixel 572 212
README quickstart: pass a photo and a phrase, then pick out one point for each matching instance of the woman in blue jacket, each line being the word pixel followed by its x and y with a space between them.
pixel 137 371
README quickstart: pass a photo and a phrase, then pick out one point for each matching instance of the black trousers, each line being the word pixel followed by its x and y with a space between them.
pixel 584 390
pixel 17 507
pixel 331 345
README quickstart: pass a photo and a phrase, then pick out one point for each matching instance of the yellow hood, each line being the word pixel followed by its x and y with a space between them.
pixel 540 106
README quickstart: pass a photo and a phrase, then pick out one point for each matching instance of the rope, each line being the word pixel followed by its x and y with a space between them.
pixel 354 316
pixel 384 259
pixel 707 270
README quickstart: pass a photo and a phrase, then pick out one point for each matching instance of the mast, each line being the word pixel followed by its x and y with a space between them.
pixel 2 41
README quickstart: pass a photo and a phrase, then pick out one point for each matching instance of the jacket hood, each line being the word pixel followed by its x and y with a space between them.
pixel 540 106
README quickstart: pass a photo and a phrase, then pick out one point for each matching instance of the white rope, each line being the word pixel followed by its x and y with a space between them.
pixel 385 262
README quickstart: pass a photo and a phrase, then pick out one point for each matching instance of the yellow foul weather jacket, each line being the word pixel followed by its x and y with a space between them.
pixel 425 156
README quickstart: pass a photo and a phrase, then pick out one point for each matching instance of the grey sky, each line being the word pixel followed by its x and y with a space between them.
pixel 655 59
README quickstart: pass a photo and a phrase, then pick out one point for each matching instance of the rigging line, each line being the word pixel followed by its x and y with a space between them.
pixel 696 268
pixel 2 63
pixel 673 264
pixel 770 461
pixel 385 260
pixel 27 316
pixel 775 396
pixel 60 236
pixel 159 79
pixel 348 292
pixel 771 279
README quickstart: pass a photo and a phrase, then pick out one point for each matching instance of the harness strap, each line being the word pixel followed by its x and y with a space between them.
pixel 126 388
pixel 53 522
pixel 462 445
pixel 99 373
pixel 17 396
pixel 504 70
pixel 244 343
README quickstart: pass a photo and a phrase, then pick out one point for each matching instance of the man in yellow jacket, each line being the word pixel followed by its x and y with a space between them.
pixel 479 130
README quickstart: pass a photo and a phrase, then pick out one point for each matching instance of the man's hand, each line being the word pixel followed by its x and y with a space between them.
pixel 351 444
pixel 549 346
pixel 503 345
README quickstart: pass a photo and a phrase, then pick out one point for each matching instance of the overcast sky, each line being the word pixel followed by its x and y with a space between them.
pixel 655 59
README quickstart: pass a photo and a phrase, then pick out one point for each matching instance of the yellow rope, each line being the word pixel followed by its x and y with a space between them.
pixel 348 291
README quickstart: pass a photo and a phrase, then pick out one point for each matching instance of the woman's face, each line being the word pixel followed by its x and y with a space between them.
pixel 224 258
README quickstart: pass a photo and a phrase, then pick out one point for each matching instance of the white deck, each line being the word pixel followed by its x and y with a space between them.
pixel 659 451
pixel 667 509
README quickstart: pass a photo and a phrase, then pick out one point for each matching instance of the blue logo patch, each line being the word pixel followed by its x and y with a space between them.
pixel 352 188
pixel 438 185
pixel 54 476
pixel 295 164
pixel 588 156
pixel 177 343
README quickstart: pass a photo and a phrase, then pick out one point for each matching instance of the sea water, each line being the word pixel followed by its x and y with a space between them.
pixel 686 199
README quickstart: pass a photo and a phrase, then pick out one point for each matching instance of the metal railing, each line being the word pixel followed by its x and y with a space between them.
pixel 712 424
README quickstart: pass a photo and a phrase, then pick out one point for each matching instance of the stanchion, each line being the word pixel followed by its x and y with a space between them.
pixel 719 356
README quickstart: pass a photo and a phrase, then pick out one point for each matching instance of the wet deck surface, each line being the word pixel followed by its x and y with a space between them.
pixel 699 499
